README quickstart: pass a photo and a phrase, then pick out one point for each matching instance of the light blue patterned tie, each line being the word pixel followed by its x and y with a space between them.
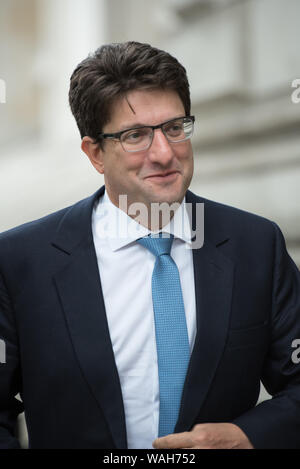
pixel 172 343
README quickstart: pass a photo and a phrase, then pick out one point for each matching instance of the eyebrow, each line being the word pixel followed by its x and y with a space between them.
pixel 136 125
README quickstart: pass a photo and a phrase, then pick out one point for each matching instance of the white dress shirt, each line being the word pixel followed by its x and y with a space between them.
pixel 125 271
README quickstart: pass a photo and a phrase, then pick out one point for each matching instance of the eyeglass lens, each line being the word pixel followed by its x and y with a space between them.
pixel 140 139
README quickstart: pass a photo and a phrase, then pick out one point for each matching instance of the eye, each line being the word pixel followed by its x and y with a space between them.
pixel 174 128
pixel 135 136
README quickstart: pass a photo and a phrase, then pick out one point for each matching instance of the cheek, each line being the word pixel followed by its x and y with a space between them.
pixel 185 157
pixel 184 150
pixel 130 161
pixel 127 171
pixel 187 163
pixel 139 166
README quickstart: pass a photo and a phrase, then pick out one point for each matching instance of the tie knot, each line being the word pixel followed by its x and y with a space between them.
pixel 157 245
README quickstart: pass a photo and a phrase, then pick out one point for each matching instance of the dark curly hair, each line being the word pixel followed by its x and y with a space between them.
pixel 115 69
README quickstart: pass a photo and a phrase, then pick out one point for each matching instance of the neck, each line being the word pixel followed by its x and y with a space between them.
pixel 154 215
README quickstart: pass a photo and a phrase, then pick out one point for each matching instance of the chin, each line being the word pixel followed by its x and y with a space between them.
pixel 167 198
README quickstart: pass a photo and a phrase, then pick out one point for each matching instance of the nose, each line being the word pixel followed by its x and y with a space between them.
pixel 161 150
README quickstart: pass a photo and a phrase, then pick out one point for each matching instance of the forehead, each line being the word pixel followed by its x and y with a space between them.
pixel 144 107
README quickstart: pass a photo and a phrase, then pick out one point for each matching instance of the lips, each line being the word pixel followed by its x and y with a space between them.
pixel 162 175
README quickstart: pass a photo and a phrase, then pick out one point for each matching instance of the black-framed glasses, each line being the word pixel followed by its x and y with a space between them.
pixel 140 138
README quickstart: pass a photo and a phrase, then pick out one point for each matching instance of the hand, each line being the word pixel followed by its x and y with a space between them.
pixel 206 436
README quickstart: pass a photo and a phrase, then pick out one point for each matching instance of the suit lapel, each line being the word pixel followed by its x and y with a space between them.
pixel 213 274
pixel 79 289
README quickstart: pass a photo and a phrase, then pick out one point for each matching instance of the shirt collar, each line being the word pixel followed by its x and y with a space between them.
pixel 119 229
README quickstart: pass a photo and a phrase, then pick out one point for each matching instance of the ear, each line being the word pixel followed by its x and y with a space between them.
pixel 94 153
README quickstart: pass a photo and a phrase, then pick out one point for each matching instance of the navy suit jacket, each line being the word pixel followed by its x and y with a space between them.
pixel 59 355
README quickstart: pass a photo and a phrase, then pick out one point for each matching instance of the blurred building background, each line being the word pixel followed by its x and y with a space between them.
pixel 242 57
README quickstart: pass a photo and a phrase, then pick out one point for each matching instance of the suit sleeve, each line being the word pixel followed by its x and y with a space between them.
pixel 10 380
pixel 275 423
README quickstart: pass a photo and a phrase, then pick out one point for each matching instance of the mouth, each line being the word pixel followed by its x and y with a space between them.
pixel 163 177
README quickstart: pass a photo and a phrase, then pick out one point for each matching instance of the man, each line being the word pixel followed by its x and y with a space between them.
pixel 89 313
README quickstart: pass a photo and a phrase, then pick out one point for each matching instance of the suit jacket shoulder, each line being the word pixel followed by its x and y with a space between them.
pixel 74 219
pixel 222 222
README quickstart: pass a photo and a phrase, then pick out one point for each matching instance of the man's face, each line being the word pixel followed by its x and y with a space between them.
pixel 163 172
